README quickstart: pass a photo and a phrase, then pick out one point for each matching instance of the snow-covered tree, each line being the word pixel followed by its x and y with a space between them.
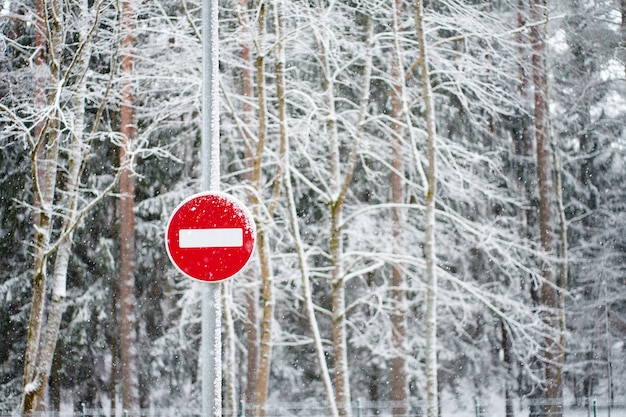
pixel 332 115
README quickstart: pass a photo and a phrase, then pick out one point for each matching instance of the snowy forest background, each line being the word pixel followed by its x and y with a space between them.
pixel 334 115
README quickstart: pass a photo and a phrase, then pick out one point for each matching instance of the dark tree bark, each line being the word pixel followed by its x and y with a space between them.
pixel 508 365
pixel 128 129
pixel 549 295
pixel 398 372
pixel 252 292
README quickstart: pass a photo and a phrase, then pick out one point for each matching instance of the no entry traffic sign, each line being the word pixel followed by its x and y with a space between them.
pixel 210 236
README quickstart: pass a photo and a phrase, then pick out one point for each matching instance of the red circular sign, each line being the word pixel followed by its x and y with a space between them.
pixel 210 236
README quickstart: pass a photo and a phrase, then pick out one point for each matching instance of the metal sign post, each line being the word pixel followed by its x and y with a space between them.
pixel 211 343
pixel 210 236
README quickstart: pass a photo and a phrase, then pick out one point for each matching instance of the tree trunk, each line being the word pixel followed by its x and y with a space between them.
pixel 338 294
pixel 562 282
pixel 41 345
pixel 267 320
pixel 432 401
pixel 398 372
pixel 252 290
pixel 43 166
pixel 342 382
pixel 508 366
pixel 339 185
pixel 128 129
pixel 525 173
pixel 54 386
pixel 113 338
pixel 339 192
pixel 623 28
pixel 549 296
pixel 263 221
pixel 308 298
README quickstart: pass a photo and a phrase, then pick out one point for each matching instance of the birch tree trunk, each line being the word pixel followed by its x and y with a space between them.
pixel 263 218
pixel 563 261
pixel 338 294
pixel 293 217
pixel 75 160
pixel 308 297
pixel 44 160
pixel 45 319
pixel 432 402
pixel 267 293
pixel 43 166
pixel 339 185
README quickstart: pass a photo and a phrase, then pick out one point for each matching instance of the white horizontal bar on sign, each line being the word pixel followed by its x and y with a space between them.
pixel 210 238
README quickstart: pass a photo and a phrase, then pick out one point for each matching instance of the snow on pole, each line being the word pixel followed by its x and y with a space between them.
pixel 210 98
pixel 211 350
pixel 211 344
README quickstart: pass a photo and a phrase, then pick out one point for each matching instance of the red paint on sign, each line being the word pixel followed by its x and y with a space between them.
pixel 210 236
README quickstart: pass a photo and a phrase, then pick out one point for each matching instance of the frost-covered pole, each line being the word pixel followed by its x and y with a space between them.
pixel 211 345
pixel 210 98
